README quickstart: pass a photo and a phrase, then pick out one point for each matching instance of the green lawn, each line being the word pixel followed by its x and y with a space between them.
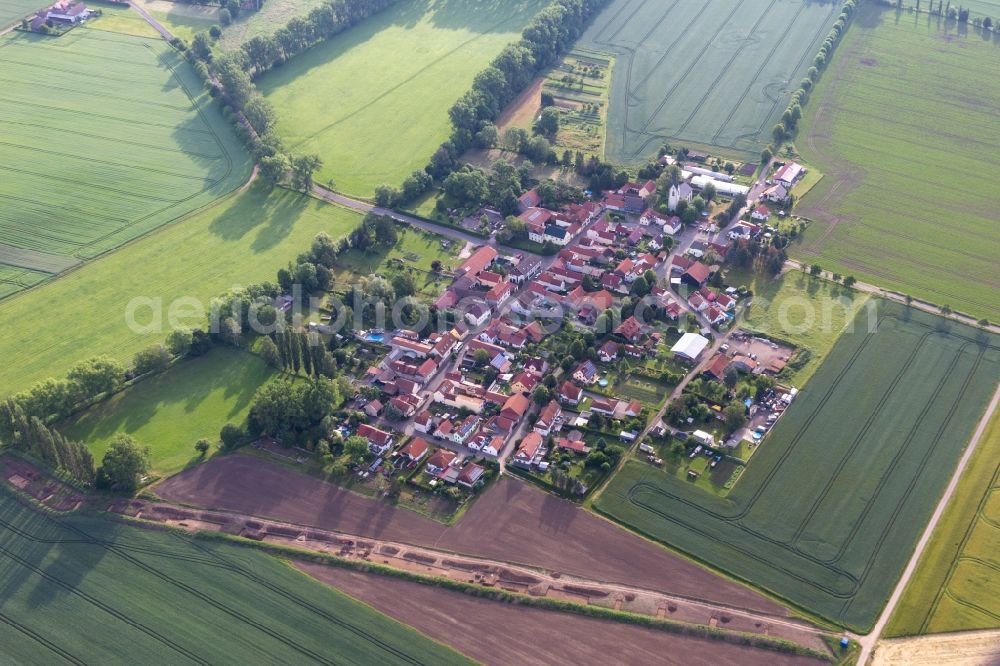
pixel 827 513
pixel 956 586
pixel 84 589
pixel 808 312
pixel 172 411
pixel 373 102
pixel 244 239
pixel 907 201
pixel 124 124
pixel 703 74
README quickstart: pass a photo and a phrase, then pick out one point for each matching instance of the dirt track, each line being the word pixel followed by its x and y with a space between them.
pixel 972 648
pixel 495 633
pixel 512 522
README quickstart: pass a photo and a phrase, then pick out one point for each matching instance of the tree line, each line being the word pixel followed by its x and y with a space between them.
pixel 786 127
pixel 231 76
pixel 550 33
pixel 29 434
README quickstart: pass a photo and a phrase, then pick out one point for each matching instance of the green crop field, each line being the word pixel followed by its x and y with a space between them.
pixel 907 202
pixel 956 586
pixel 838 492
pixel 12 11
pixel 702 73
pixel 106 137
pixel 373 102
pixel 172 411
pixel 84 589
pixel 243 239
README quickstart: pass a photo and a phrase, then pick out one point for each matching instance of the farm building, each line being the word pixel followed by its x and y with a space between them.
pixel 788 174
pixel 690 346
pixel 725 189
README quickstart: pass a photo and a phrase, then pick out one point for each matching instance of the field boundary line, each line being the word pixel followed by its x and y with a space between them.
pixel 868 642
pixel 958 552
pixel 923 464
pixel 694 62
pixel 301 603
pixel 909 439
pixel 866 426
pixel 736 53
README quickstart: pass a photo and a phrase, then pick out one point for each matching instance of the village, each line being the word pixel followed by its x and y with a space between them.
pixel 557 366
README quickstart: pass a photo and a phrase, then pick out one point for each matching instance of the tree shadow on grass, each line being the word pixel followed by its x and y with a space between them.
pixel 273 212
pixel 482 15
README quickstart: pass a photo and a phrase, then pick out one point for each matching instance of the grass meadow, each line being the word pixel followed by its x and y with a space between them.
pixel 244 239
pixel 85 589
pixel 273 15
pixel 122 19
pixel 908 201
pixel 106 137
pixel 956 586
pixel 828 510
pixel 173 410
pixel 805 311
pixel 373 102
pixel 710 75
pixel 181 19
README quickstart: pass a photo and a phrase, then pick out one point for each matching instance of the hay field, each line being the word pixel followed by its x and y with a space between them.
pixel 243 239
pixel 84 589
pixel 827 513
pixel 703 73
pixel 909 200
pixel 173 410
pixel 373 101
pixel 956 586
pixel 106 137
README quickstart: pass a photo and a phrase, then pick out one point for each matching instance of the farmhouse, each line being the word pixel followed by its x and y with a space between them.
pixel 690 346
pixel 788 174
pixel 777 193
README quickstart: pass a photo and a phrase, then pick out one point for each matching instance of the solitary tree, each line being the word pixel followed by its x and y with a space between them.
pixel 202 446
pixel 124 464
